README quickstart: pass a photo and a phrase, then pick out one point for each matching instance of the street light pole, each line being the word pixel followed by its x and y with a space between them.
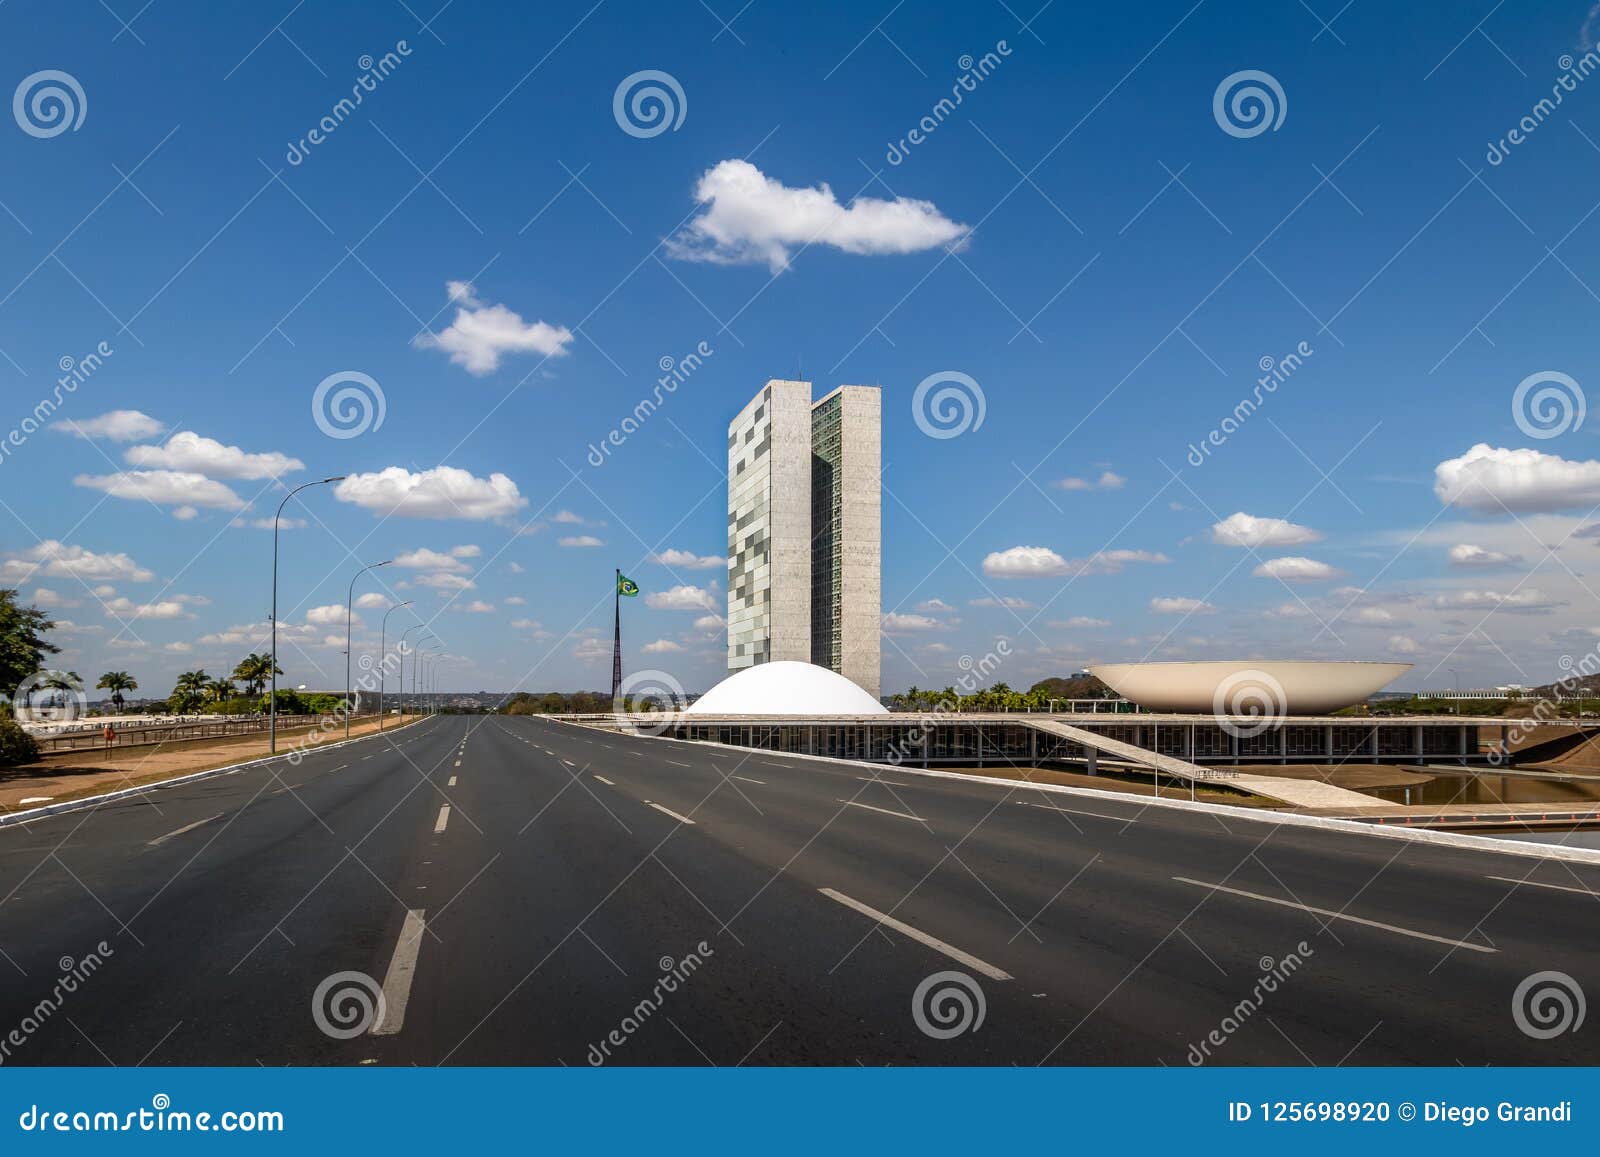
pixel 272 725
pixel 383 655
pixel 349 690
pixel 403 634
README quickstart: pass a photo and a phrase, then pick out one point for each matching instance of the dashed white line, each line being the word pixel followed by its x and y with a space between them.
pixel 1510 880
pixel 747 779
pixel 452 782
pixel 675 763
pixel 884 810
pixel 1412 932
pixel 159 840
pixel 444 818
pixel 919 936
pixel 607 782
pixel 670 812
pixel 402 970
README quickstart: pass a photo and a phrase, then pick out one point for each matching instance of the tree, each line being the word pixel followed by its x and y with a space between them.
pixel 188 690
pixel 218 690
pixel 22 647
pixel 117 682
pixel 62 683
pixel 254 670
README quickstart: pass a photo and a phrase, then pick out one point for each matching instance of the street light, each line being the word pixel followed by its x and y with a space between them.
pixel 349 690
pixel 383 655
pixel 403 634
pixel 272 726
pixel 417 684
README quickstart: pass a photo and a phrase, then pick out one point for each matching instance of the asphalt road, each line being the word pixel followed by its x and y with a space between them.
pixel 532 922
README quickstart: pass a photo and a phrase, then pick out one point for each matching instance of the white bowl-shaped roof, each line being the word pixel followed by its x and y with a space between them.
pixel 1249 686
pixel 786 687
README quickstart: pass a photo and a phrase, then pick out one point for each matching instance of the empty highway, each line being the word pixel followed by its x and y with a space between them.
pixel 519 888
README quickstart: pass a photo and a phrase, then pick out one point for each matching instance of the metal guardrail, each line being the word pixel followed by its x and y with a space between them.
pixel 92 737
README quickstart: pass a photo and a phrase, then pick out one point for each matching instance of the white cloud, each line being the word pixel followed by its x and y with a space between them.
pixel 1042 562
pixel 515 601
pixel 1005 602
pixel 331 615
pixel 445 581
pixel 899 624
pixel 1181 606
pixel 709 623
pixel 424 559
pixel 1106 481
pixel 660 647
pixel 751 218
pixel 373 601
pixel 1295 569
pixel 1525 601
pixel 178 648
pixel 688 560
pixel 1078 621
pixel 515 567
pixel 164 487
pixel 188 451
pixel 45 597
pixel 590 650
pixel 683 598
pixel 566 516
pixel 443 492
pixel 482 334
pixel 476 607
pixel 579 540
pixel 118 426
pixel 185 513
pixel 1401 645
pixel 57 560
pixel 935 607
pixel 1241 529
pixel 1469 557
pixel 1524 481
pixel 266 523
pixel 123 608
pixel 533 626
pixel 466 550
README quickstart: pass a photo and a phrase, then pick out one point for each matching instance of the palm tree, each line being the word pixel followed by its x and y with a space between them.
pixel 189 687
pixel 117 682
pixel 253 671
pixel 62 683
pixel 219 690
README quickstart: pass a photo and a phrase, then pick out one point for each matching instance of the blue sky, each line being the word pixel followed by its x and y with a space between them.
pixel 1081 237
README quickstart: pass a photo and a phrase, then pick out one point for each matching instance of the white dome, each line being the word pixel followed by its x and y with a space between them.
pixel 786 688
pixel 1270 687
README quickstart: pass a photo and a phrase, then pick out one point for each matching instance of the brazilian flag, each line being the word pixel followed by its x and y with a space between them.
pixel 626 586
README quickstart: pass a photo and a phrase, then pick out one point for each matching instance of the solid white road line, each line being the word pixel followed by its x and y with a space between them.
pixel 1339 916
pixel 402 970
pixel 675 763
pixel 1529 884
pixel 452 782
pixel 607 782
pixel 159 840
pixel 747 779
pixel 444 818
pixel 884 810
pixel 670 812
pixel 919 936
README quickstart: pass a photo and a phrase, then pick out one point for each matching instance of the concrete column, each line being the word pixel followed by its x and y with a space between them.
pixel 1283 744
pixel 1328 741
pixel 1092 764
pixel 1417 742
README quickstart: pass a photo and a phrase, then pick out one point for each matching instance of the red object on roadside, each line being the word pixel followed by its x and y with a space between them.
pixel 110 734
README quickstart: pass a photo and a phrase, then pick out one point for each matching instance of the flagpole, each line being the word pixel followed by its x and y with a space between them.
pixel 616 638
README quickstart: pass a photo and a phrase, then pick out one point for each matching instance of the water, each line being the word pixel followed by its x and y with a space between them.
pixel 1452 787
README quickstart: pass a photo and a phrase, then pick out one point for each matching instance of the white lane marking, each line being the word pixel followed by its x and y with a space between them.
pixel 452 782
pixel 675 763
pixel 670 812
pixel 1050 807
pixel 1412 932
pixel 364 758
pixel 186 828
pixel 884 810
pixel 569 763
pixel 607 782
pixel 878 779
pixel 402 970
pixel 919 936
pixel 458 763
pixel 37 799
pixel 1509 880
pixel 747 779
pixel 444 818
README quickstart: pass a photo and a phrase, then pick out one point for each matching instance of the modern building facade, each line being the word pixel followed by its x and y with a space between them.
pixel 804 520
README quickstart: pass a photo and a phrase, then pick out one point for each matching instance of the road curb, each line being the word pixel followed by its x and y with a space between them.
pixel 13 819
pixel 1348 827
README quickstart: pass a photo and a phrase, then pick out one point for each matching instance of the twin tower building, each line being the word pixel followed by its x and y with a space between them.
pixel 805 557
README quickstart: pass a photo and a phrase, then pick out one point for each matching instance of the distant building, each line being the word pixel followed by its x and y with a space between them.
pixel 804 544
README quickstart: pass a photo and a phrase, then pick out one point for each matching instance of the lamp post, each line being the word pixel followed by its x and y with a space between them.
pixel 383 655
pixel 403 634
pixel 272 725
pixel 349 690
pixel 417 682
